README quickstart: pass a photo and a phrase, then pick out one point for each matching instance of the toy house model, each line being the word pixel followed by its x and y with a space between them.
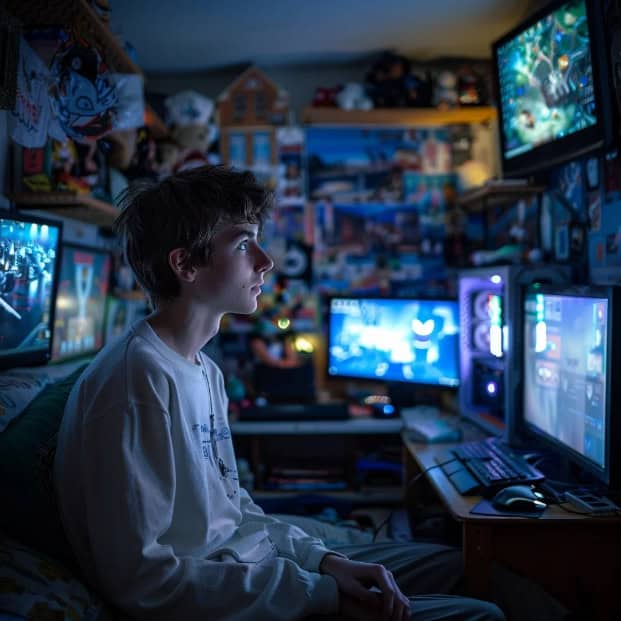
pixel 248 111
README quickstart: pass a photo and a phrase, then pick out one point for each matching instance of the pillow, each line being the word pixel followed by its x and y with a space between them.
pixel 27 447
pixel 34 586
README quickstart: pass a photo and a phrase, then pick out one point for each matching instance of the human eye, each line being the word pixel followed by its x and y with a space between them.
pixel 243 245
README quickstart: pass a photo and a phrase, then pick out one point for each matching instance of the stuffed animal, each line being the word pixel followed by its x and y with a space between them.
pixel 191 127
pixel 353 97
pixel 386 82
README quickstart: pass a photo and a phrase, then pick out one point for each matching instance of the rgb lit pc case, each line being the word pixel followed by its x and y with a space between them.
pixel 489 313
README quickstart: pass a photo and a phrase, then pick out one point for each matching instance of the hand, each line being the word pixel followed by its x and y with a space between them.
pixel 355 579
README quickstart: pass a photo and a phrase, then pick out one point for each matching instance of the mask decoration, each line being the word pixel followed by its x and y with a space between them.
pixel 85 95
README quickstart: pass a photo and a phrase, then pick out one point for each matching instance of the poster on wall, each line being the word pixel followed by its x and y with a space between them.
pixel 291 182
pixel 377 249
pixel 358 165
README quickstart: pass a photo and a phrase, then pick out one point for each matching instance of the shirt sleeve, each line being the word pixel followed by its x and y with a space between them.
pixel 290 541
pixel 129 481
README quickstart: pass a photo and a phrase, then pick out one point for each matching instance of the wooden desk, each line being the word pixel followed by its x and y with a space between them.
pixel 577 559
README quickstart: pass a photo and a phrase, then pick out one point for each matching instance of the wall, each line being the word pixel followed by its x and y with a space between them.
pixel 299 80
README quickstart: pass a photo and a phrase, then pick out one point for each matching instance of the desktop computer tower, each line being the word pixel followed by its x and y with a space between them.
pixel 490 300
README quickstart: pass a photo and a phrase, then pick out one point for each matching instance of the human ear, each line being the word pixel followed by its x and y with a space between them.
pixel 179 261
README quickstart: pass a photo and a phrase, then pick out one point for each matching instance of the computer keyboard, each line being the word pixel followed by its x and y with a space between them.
pixel 295 412
pixel 483 467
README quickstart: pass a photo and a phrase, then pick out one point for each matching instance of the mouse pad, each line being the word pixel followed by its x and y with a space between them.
pixel 485 507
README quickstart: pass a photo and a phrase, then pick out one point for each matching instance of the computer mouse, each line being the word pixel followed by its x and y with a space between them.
pixel 521 498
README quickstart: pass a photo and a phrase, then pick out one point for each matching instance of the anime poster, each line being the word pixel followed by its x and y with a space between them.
pixel 377 249
pixel 361 165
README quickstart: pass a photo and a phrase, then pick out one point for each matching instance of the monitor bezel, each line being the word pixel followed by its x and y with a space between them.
pixel 599 137
pixel 609 473
pixel 361 379
pixel 91 352
pixel 39 357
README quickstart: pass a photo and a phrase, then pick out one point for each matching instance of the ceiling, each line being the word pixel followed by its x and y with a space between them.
pixel 206 35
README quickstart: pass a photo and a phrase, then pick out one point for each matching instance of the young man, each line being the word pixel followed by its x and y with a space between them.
pixel 145 469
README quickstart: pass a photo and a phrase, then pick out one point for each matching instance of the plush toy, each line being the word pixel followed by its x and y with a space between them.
pixel 353 97
pixel 386 81
pixel 325 97
pixel 445 92
pixel 189 115
pixel 419 87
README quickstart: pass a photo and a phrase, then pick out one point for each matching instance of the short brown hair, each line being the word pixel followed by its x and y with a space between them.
pixel 183 211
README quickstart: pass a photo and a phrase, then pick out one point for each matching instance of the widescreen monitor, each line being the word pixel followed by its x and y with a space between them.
pixel 79 324
pixel 29 268
pixel 569 400
pixel 394 340
pixel 552 81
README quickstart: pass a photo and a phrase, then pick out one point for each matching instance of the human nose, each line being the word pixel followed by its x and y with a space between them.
pixel 264 261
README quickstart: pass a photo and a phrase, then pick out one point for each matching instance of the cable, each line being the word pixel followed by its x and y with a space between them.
pixel 409 484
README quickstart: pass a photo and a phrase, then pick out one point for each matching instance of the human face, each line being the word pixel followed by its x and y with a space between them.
pixel 232 280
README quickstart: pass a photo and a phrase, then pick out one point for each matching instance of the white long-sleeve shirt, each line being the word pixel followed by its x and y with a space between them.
pixel 149 496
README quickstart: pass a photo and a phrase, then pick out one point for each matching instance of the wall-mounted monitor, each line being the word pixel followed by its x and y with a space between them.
pixel 79 323
pixel 553 93
pixel 394 340
pixel 29 270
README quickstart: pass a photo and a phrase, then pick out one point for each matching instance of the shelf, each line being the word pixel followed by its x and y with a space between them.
pixel 378 495
pixel 477 199
pixel 399 116
pixel 78 15
pixel 70 205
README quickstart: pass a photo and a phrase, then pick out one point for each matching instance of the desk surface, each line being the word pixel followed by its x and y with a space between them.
pixel 460 506
pixel 351 426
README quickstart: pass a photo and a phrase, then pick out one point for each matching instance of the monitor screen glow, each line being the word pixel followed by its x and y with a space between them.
pixel 565 371
pixel 29 250
pixel 79 326
pixel 396 340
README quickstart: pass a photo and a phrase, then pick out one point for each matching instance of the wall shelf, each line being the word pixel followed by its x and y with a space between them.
pixel 492 195
pixel 78 15
pixel 70 205
pixel 399 116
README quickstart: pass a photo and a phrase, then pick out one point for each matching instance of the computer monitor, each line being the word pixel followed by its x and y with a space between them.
pixel 402 340
pixel 79 323
pixel 29 268
pixel 553 93
pixel 571 367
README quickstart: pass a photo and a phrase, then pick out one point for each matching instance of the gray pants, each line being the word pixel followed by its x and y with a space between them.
pixel 427 573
